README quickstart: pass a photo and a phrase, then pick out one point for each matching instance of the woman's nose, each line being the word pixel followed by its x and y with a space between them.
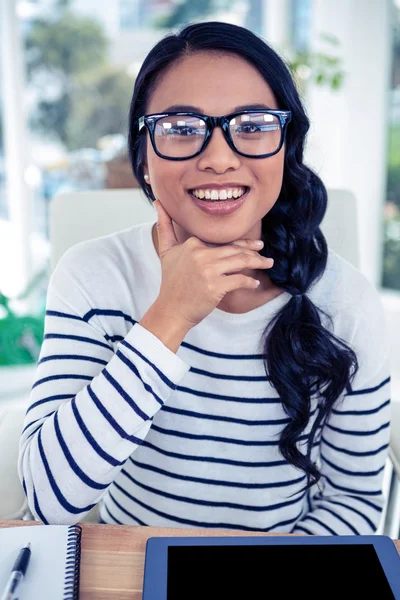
pixel 218 155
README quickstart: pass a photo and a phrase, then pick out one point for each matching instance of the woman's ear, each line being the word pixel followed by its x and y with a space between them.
pixel 146 172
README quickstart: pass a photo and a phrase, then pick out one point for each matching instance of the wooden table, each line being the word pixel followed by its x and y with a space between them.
pixel 112 563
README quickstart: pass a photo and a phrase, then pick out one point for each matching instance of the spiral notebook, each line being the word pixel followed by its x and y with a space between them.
pixel 53 570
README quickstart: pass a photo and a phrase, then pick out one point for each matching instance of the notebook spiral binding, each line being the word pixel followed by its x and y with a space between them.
pixel 72 568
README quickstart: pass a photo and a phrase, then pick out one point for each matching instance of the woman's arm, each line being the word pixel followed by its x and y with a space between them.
pixel 89 407
pixel 355 440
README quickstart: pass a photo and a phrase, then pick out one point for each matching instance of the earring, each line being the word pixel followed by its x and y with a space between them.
pixel 146 177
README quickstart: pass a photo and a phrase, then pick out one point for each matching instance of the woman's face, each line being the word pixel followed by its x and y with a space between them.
pixel 215 85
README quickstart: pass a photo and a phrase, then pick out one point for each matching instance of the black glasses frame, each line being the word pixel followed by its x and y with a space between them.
pixel 149 121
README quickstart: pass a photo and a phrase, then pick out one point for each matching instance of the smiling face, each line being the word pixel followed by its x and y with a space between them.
pixel 215 84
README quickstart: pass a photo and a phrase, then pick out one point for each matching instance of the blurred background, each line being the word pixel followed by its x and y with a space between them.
pixel 67 70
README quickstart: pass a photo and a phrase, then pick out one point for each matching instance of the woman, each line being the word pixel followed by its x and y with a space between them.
pixel 171 387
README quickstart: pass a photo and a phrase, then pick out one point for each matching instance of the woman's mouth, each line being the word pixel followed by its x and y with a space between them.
pixel 222 194
pixel 219 202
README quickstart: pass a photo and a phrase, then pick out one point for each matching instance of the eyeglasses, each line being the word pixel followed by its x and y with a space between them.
pixel 183 135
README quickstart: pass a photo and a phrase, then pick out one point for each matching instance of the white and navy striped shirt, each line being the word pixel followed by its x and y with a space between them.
pixel 191 439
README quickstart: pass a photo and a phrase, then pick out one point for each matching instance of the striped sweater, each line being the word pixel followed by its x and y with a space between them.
pixel 191 439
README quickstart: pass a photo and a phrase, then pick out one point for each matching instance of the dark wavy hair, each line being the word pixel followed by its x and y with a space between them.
pixel 301 357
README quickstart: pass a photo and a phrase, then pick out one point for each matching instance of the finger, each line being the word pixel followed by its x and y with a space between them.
pixel 165 230
pixel 238 262
pixel 247 243
pixel 234 282
pixel 242 247
pixel 244 243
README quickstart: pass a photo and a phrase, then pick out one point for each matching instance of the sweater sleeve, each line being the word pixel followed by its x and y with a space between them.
pixel 355 439
pixel 90 406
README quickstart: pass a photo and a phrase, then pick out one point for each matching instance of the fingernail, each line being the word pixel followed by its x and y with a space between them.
pixel 259 243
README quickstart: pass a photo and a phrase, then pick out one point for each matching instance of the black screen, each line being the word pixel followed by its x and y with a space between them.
pixel 286 572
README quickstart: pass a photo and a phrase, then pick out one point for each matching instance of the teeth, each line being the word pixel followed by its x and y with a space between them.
pixel 219 194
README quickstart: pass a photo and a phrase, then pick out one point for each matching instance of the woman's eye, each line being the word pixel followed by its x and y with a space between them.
pixel 248 128
pixel 183 131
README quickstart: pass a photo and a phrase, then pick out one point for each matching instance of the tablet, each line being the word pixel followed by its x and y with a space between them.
pixel 270 567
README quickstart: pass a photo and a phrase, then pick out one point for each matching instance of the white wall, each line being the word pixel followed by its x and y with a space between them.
pixel 391 304
pixel 276 17
pixel 348 141
pixel 16 154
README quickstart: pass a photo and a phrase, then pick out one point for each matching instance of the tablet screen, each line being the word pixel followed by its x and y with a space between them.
pixel 314 572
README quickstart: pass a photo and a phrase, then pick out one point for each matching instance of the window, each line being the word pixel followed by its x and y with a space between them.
pixel 391 255
pixel 3 198
pixel 301 12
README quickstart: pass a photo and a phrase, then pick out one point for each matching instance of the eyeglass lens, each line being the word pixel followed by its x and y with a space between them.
pixel 180 136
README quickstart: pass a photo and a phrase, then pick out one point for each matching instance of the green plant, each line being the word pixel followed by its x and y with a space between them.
pixel 322 68
pixel 21 336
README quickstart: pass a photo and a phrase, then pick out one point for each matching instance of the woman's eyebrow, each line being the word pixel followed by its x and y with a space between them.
pixel 189 108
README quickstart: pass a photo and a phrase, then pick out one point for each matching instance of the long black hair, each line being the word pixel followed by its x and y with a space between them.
pixel 302 359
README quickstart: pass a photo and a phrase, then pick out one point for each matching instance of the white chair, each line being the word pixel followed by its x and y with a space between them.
pixel 79 216
pixel 84 215
pixel 391 522
pixel 13 503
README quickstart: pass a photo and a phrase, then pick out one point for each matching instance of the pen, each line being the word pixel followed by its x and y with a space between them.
pixel 17 573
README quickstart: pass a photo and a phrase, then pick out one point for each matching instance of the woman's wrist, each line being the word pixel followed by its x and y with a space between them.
pixel 170 329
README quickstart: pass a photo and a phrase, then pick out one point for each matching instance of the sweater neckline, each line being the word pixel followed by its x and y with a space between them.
pixel 261 313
